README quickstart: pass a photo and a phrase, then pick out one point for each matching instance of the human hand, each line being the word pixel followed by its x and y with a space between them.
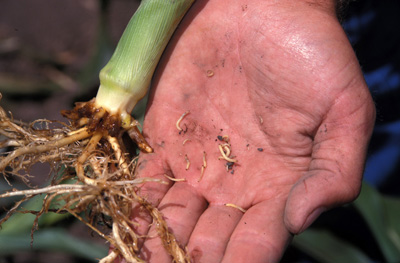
pixel 279 76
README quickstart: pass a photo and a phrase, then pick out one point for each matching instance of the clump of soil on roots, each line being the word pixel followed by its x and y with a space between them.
pixel 92 172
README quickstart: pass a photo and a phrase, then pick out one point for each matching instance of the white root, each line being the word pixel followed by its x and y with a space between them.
pixel 138 181
pixel 43 148
pixel 122 246
pixel 84 156
pixel 118 154
pixel 110 258
pixel 96 168
pixel 77 131
pixel 132 234
pixel 47 190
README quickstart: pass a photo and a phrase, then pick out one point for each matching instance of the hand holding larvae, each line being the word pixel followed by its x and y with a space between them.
pixel 260 117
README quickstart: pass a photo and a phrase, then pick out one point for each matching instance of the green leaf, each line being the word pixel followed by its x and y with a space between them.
pixel 323 246
pixel 382 215
pixel 55 240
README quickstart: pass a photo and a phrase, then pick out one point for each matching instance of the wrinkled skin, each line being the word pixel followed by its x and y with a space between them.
pixel 285 79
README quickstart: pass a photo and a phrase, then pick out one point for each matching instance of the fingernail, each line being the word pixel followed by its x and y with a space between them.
pixel 311 218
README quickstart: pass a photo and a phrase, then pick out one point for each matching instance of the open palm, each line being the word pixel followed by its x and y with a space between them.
pixel 281 81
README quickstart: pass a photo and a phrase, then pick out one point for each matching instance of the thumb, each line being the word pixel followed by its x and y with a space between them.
pixel 337 162
pixel 313 195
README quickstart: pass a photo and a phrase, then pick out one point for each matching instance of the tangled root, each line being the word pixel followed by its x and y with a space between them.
pixel 93 173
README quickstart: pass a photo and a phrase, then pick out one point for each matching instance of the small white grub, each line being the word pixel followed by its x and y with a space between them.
pixel 261 120
pixel 201 174
pixel 227 149
pixel 224 156
pixel 203 166
pixel 185 141
pixel 210 73
pixel 175 179
pixel 237 207
pixel 180 119
pixel 187 162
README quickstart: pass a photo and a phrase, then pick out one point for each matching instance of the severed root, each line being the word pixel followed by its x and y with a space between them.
pixel 92 170
pixel 112 256
pixel 98 120
pixel 169 241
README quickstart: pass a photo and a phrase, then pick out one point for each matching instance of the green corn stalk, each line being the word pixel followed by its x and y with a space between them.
pixel 126 78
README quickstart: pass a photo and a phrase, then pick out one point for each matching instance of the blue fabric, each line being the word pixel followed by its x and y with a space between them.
pixel 373 28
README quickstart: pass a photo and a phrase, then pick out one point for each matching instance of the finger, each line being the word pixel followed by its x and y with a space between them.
pixel 181 208
pixel 260 236
pixel 149 166
pixel 152 166
pixel 338 158
pixel 212 232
